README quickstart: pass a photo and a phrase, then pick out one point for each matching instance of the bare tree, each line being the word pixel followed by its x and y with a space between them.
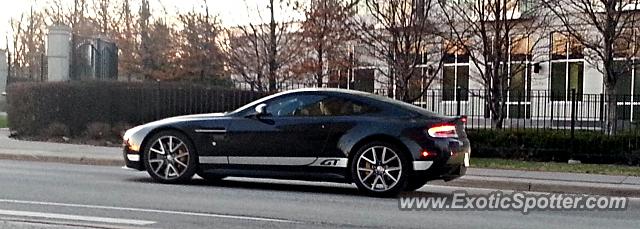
pixel 326 36
pixel 60 12
pixel 608 31
pixel 263 53
pixel 28 45
pixel 245 56
pixel 200 57
pixel 128 42
pixel 144 23
pixel 500 39
pixel 398 32
pixel 104 16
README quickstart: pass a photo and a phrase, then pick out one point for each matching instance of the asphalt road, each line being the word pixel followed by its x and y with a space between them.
pixel 50 195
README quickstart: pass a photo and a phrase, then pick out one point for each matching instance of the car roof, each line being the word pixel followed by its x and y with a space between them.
pixel 334 90
pixel 378 99
pixel 370 97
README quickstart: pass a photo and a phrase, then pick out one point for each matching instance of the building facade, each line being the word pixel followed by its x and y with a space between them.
pixel 553 79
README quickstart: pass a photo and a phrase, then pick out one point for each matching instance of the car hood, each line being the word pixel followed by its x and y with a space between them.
pixel 193 117
pixel 139 132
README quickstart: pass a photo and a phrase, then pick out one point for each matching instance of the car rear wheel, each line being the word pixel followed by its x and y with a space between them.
pixel 380 169
pixel 170 157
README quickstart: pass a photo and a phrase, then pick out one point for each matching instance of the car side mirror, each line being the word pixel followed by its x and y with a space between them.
pixel 261 109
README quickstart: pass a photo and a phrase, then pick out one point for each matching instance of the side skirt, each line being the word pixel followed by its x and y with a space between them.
pixel 306 173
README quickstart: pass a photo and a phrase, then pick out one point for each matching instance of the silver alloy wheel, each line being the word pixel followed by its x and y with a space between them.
pixel 168 157
pixel 379 168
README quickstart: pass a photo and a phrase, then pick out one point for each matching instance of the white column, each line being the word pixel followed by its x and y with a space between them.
pixel 4 74
pixel 58 52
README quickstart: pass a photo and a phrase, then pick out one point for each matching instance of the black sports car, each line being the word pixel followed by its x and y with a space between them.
pixel 382 145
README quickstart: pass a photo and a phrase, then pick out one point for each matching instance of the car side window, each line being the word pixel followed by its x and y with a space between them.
pixel 334 106
pixel 301 105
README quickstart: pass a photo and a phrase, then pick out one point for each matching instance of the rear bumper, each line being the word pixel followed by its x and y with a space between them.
pixel 453 166
pixel 422 165
pixel 442 172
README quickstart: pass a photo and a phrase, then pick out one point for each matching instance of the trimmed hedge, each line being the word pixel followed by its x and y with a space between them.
pixel 33 107
pixel 556 145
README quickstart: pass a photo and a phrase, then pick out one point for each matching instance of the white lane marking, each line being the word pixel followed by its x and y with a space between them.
pixel 148 210
pixel 75 217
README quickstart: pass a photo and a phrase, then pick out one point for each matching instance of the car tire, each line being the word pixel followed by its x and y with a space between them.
pixel 170 157
pixel 383 176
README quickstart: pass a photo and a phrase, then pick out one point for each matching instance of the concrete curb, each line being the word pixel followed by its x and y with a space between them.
pixel 546 186
pixel 65 160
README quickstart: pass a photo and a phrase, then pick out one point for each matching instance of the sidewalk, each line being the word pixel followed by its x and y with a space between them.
pixel 481 178
pixel 57 152
pixel 550 182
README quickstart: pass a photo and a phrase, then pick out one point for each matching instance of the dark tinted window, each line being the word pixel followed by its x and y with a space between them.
pixel 319 106
pixel 335 106
pixel 293 105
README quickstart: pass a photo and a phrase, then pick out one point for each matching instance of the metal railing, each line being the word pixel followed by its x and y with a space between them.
pixel 536 109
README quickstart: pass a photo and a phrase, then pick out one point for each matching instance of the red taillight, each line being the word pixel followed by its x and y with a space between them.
pixel 426 154
pixel 443 131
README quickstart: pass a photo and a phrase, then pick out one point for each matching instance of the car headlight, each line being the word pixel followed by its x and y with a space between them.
pixel 131 145
pixel 128 142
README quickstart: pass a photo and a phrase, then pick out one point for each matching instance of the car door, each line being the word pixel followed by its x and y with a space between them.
pixel 291 134
pixel 343 116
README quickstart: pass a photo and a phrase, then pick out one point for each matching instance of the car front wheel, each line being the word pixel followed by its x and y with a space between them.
pixel 170 157
pixel 380 169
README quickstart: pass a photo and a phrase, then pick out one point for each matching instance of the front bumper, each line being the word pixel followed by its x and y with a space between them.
pixel 132 159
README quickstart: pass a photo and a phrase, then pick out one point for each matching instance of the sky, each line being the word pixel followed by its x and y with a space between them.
pixel 231 12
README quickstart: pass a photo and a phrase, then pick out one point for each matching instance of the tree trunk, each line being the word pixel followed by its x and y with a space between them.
pixel 273 49
pixel 497 116
pixel 320 68
pixel 611 116
pixel 497 103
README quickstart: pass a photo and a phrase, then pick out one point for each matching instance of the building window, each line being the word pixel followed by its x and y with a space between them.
pixel 339 78
pixel 627 66
pixel 518 68
pixel 363 80
pixel 423 73
pixel 567 67
pixel 455 77
pixel 418 83
pixel 627 90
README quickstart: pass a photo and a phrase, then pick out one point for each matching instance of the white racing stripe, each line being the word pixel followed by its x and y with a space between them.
pixel 148 210
pixel 75 217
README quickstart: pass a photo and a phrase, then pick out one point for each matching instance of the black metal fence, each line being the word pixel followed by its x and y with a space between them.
pixel 93 59
pixel 536 109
